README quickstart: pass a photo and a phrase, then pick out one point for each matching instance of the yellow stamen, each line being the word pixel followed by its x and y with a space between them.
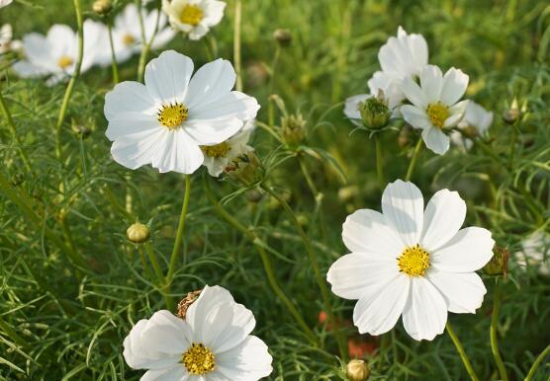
pixel 198 359
pixel 414 261
pixel 438 113
pixel 219 150
pixel 191 14
pixel 64 62
pixel 128 40
pixel 173 115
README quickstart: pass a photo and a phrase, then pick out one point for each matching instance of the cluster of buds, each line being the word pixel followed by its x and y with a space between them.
pixel 375 112
pixel 293 129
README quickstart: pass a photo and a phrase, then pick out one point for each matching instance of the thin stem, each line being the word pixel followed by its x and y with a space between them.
pixel 461 352
pixel 494 333
pixel 537 362
pixel 158 271
pixel 309 180
pixel 180 231
pixel 13 131
pixel 513 144
pixel 268 267
pixel 72 81
pixel 146 44
pixel 417 150
pixel 379 161
pixel 318 276
pixel 113 53
pixel 237 45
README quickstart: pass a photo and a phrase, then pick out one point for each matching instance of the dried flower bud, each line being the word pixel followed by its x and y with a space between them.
pixel 498 265
pixel 357 370
pixel 375 112
pixel 244 167
pixel 138 233
pixel 293 129
pixel 102 7
pixel 82 131
pixel 186 302
pixel 283 37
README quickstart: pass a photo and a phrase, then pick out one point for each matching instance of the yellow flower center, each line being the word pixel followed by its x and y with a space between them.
pixel 438 113
pixel 198 359
pixel 128 39
pixel 219 150
pixel 414 261
pixel 64 62
pixel 191 14
pixel 173 115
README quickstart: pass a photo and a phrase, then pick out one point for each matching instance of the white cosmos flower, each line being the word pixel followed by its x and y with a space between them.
pixel 7 43
pixel 194 17
pixel 434 104
pixel 55 55
pixel 535 253
pixel 411 262
pixel 476 120
pixel 218 157
pixel 127 37
pixel 213 343
pixel 4 3
pixel 165 121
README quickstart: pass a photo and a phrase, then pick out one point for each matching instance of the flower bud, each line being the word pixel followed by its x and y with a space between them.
pixel 102 7
pixel 498 265
pixel 138 233
pixel 82 131
pixel 244 167
pixel 357 370
pixel 375 112
pixel 512 114
pixel 293 129
pixel 186 302
pixel 283 37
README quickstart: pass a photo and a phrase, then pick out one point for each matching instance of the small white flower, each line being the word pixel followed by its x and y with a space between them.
pixel 218 157
pixel 434 104
pixel 4 3
pixel 7 43
pixel 411 261
pixel 194 17
pixel 165 121
pixel 476 119
pixel 213 343
pixel 535 253
pixel 127 37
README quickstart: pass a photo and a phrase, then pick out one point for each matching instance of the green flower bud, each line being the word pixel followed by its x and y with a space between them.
pixel 512 114
pixel 357 370
pixel 293 129
pixel 283 37
pixel 102 7
pixel 375 112
pixel 498 265
pixel 138 233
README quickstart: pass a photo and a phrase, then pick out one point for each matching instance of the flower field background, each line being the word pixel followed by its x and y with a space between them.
pixel 72 284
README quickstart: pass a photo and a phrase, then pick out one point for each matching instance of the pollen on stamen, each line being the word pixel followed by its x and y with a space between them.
pixel 191 14
pixel 438 114
pixel 173 115
pixel 414 261
pixel 216 151
pixel 198 359
pixel 64 62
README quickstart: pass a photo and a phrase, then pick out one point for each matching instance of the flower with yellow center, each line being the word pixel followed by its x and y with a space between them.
pixel 212 343
pixel 128 39
pixel 411 262
pixel 191 14
pixel 64 62
pixel 435 106
pixel 193 17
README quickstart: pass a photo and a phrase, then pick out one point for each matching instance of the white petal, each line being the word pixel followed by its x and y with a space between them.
pixel 128 96
pixel 469 250
pixel 456 114
pixel 179 153
pixel 214 12
pixel 351 109
pixel 210 82
pixel 443 218
pixel 454 87
pixel 354 275
pixel 167 77
pixel 414 93
pixel 425 313
pixel 230 105
pixel 211 132
pixel 367 231
pixel 208 299
pixel 37 50
pixel 378 312
pixel 198 32
pixel 403 207
pixel 131 123
pixel 175 373
pixel 62 41
pixel 436 140
pixel 26 69
pixel 462 292
pixel 136 150
pixel 431 80
pixel 415 117
pixel 249 361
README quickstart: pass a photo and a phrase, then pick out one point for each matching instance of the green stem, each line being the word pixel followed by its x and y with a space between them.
pixel 494 333
pixel 417 150
pixel 309 180
pixel 8 330
pixel 268 267
pixel 158 272
pixel 379 161
pixel 72 81
pixel 13 131
pixel 536 364
pixel 237 45
pixel 146 44
pixel 461 352
pixel 513 144
pixel 180 231
pixel 318 276
pixel 113 54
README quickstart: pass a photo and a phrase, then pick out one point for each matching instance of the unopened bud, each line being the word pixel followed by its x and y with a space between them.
pixel 357 370
pixel 186 302
pixel 244 167
pixel 512 114
pixel 293 129
pixel 470 132
pixel 283 37
pixel 138 233
pixel 102 7
pixel 82 131
pixel 375 112
pixel 498 265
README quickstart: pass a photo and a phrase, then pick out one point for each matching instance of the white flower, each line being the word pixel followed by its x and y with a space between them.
pixel 4 3
pixel 476 120
pixel 218 157
pixel 7 43
pixel 55 55
pixel 411 261
pixel 535 253
pixel 434 104
pixel 165 121
pixel 127 37
pixel 194 17
pixel 213 343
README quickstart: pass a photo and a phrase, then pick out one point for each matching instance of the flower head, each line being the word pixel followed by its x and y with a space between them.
pixel 166 121
pixel 4 3
pixel 434 105
pixel 411 262
pixel 7 43
pixel 194 17
pixel 535 253
pixel 213 343
pixel 475 123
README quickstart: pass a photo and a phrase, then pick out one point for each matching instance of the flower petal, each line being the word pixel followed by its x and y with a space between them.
pixel 128 96
pixel 454 86
pixel 456 114
pixel 136 150
pixel 167 77
pixel 249 361
pixel 212 81
pixel 131 123
pixel 351 109
pixel 415 117
pixel 463 292
pixel 175 373
pixel 230 105
pixel 431 80
pixel 436 140
pixel 414 93
pixel 208 299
